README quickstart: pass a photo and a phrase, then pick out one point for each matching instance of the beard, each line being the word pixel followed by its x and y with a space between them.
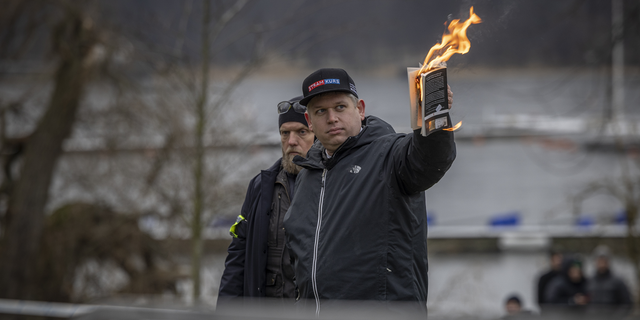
pixel 288 165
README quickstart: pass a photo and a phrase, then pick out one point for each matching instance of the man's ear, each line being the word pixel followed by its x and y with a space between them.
pixel 360 107
pixel 306 116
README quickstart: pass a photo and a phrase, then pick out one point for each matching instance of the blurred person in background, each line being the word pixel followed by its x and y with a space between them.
pixel 608 293
pixel 513 308
pixel 568 291
pixel 513 305
pixel 555 261
pixel 258 264
pixel 357 226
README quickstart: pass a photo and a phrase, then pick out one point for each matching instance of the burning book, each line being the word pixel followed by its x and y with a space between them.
pixel 428 84
pixel 429 100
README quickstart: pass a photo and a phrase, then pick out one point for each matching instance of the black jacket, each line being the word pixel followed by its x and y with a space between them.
pixel 244 272
pixel 543 282
pixel 360 230
pixel 561 290
pixel 605 288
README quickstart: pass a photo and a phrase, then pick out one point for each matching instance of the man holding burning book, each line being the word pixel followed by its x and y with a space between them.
pixel 357 225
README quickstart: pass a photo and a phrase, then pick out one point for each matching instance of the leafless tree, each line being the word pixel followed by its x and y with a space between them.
pixel 73 37
pixel 624 186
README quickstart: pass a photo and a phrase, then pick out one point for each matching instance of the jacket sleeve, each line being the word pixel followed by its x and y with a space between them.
pixel 232 282
pixel 541 287
pixel 553 293
pixel 420 162
pixel 622 295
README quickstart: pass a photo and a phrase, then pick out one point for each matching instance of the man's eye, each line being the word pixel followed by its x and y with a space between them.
pixel 320 111
pixel 341 107
pixel 302 132
pixel 284 133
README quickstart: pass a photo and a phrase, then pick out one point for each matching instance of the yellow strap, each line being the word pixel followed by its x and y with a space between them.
pixel 232 230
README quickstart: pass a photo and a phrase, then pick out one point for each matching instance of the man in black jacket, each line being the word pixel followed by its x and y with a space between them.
pixel 357 226
pixel 568 291
pixel 555 261
pixel 258 264
pixel 609 295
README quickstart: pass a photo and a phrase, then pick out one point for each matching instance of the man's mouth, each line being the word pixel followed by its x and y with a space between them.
pixel 334 130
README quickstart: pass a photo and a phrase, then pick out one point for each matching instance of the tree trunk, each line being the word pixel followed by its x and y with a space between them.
pixel 632 244
pixel 72 42
pixel 198 197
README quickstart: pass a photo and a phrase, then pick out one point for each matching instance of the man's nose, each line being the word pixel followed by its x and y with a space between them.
pixel 293 139
pixel 331 116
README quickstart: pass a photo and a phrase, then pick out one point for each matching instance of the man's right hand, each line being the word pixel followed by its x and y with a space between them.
pixel 580 299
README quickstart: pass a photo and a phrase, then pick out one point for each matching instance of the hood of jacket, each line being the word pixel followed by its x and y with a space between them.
pixel 372 129
pixel 566 266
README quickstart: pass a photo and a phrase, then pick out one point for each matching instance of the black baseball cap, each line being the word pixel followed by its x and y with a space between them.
pixel 327 80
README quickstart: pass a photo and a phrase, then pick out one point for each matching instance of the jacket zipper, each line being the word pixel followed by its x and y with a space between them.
pixel 284 247
pixel 280 206
pixel 315 245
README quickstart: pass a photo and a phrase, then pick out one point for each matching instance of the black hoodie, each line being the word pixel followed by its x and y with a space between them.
pixel 562 290
pixel 357 224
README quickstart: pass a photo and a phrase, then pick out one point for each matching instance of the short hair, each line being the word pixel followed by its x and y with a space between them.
pixel 602 251
pixel 354 98
pixel 514 298
pixel 554 253
pixel 554 250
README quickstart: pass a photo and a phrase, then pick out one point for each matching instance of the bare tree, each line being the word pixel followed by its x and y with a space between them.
pixel 73 39
pixel 624 187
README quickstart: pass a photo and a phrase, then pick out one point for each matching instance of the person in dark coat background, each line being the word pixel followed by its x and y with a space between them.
pixel 608 293
pixel 568 291
pixel 258 264
pixel 514 309
pixel 555 260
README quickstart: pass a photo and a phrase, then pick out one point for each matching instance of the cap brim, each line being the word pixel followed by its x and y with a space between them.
pixel 306 100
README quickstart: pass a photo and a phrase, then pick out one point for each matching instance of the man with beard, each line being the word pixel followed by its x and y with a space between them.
pixel 258 265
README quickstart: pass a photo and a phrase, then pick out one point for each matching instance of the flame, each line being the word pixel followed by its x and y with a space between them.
pixel 454 128
pixel 456 41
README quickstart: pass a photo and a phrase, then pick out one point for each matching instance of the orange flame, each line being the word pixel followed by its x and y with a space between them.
pixel 455 41
pixel 454 128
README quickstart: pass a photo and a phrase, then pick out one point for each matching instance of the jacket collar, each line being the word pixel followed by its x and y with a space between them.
pixel 275 167
pixel 373 128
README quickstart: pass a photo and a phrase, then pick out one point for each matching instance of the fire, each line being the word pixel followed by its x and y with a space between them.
pixel 456 41
pixel 454 128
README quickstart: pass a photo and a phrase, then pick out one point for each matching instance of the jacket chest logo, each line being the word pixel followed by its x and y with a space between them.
pixel 355 169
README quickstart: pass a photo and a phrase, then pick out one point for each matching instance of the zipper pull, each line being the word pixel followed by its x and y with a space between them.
pixel 324 172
